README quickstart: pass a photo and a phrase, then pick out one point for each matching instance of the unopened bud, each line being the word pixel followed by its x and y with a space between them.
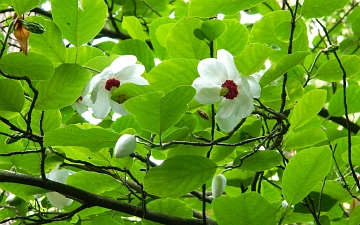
pixel 218 185
pixel 125 146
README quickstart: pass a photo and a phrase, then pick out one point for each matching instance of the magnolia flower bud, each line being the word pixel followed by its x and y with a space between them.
pixel 125 146
pixel 218 185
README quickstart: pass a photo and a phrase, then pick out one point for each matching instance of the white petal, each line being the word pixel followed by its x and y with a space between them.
pixel 58 200
pixel 213 70
pixel 227 108
pixel 255 88
pixel 101 107
pixel 118 108
pixel 227 124
pixel 80 107
pixel 245 105
pixel 228 60
pixel 59 175
pixel 122 62
pixel 90 85
pixel 130 72
pixel 243 85
pixel 206 93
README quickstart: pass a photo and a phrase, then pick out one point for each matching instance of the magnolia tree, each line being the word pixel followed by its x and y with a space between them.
pixel 202 117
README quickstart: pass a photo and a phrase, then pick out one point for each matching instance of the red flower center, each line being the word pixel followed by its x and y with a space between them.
pixel 232 89
pixel 111 83
pixel 79 99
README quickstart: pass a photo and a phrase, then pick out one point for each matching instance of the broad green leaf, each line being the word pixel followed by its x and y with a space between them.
pixel 159 49
pixel 282 31
pixel 130 90
pixel 252 58
pixel 104 220
pixel 50 43
pixel 99 63
pixel 261 160
pixel 182 43
pixel 162 33
pixel 172 73
pixel 304 138
pixel 34 66
pixel 355 155
pixel 133 27
pixel 283 65
pixel 138 48
pixel 82 54
pixel 354 20
pixel 11 95
pixel 88 136
pixel 227 40
pixel 304 171
pixel 331 71
pixel 355 216
pixel 307 108
pixel 179 175
pixel 156 112
pixel 320 8
pixel 23 6
pixel 249 208
pixel 63 88
pixel 96 183
pixel 208 8
pixel 79 21
pixel 336 104
pixel 25 192
pixel 212 29
pixel 51 121
pixel 173 207
pixel 263 32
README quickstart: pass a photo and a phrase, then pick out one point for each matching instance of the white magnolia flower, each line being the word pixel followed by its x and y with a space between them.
pixel 56 199
pixel 82 103
pixel 125 145
pixel 220 81
pixel 122 70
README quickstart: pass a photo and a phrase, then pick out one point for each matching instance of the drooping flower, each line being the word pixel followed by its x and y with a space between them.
pixel 56 199
pixel 125 146
pixel 220 81
pixel 217 186
pixel 82 103
pixel 122 70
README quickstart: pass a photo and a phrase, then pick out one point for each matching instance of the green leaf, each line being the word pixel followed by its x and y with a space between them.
pixel 283 65
pixel 83 54
pixel 331 71
pixel 173 207
pixel 93 182
pixel 138 48
pixel 307 108
pixel 252 58
pixel 34 66
pixel 282 31
pixel 182 43
pixel 79 21
pixel 355 216
pixel 162 33
pixel 129 90
pixel 51 121
pixel 133 27
pixel 249 208
pixel 156 112
pixel 320 8
pixel 336 104
pixel 50 43
pixel 63 88
pixel 104 220
pixel 261 160
pixel 25 192
pixel 23 6
pixel 11 95
pixel 355 154
pixel 85 135
pixel 304 171
pixel 227 40
pixel 160 50
pixel 179 175
pixel 354 20
pixel 305 138
pixel 212 29
pixel 172 73
pixel 263 32
pixel 209 8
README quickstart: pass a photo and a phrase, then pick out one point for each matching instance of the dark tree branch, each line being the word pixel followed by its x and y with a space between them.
pixel 92 200
pixel 339 120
